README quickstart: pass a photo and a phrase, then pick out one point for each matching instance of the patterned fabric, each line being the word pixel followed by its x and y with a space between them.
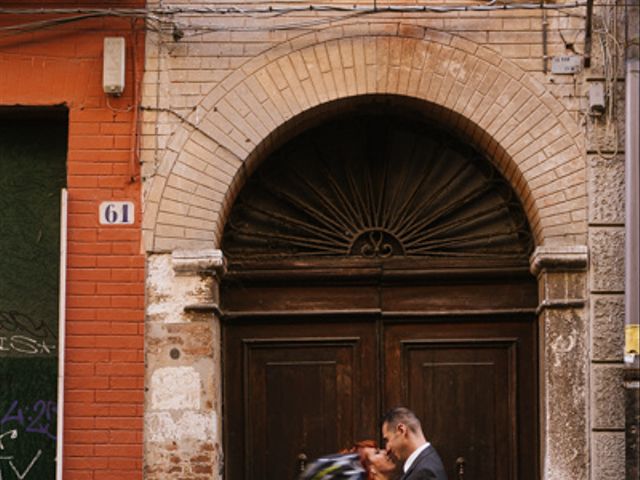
pixel 335 467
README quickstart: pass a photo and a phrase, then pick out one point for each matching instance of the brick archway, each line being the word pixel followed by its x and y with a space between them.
pixel 531 137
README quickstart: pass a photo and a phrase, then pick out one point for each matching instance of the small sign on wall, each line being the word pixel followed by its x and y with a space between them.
pixel 117 213
pixel 566 64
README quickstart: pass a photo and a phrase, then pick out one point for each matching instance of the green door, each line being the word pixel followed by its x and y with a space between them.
pixel 32 173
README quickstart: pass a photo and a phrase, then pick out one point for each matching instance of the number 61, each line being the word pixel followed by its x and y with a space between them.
pixel 117 213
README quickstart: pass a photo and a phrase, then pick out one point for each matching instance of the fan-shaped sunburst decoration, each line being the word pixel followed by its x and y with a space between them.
pixel 376 187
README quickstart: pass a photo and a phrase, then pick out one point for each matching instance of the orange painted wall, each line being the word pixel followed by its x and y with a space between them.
pixel 104 391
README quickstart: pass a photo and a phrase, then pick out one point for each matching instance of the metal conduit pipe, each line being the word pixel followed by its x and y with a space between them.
pixel 632 244
pixel 632 212
pixel 62 305
pixel 632 272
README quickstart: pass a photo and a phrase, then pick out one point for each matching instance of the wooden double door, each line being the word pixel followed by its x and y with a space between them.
pixel 297 388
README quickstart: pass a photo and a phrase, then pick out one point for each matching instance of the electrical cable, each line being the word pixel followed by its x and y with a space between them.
pixel 171 18
pixel 175 21
pixel 186 121
pixel 611 52
pixel 269 9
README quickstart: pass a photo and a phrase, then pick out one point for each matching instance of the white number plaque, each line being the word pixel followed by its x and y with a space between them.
pixel 117 213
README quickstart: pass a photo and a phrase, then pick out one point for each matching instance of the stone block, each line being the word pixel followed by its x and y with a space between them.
pixel 606 189
pixel 564 286
pixel 608 457
pixel 607 259
pixel 607 327
pixel 194 262
pixel 608 397
pixel 559 258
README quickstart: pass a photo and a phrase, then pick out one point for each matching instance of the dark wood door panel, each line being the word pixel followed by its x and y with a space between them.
pixel 298 389
pixel 464 387
pixel 423 292
pixel 473 386
pixel 508 294
pixel 293 389
pixel 316 387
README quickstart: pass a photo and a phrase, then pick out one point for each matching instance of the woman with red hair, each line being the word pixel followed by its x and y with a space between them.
pixel 363 461
pixel 375 461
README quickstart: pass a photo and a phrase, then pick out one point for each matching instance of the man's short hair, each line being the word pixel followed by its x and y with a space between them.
pixel 402 415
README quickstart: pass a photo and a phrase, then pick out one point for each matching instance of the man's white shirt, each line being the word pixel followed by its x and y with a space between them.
pixel 413 456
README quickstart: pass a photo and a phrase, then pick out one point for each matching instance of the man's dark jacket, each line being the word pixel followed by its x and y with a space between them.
pixel 427 466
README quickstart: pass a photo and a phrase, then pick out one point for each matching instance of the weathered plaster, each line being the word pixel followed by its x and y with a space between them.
pixel 186 458
pixel 183 404
pixel 175 388
pixel 168 292
pixel 177 426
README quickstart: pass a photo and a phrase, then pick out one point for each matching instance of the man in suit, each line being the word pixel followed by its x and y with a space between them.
pixel 406 444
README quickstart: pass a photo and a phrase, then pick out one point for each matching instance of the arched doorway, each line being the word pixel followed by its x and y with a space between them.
pixel 374 260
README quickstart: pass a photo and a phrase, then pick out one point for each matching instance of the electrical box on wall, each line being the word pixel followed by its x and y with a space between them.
pixel 597 98
pixel 113 65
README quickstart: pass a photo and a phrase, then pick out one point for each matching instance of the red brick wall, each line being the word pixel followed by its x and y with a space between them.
pixel 104 389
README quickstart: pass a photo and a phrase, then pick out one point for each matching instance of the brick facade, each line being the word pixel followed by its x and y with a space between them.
pixel 105 277
pixel 219 101
pixel 507 112
pixel 214 102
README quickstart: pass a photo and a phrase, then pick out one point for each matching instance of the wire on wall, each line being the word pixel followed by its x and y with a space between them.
pixel 184 120
pixel 135 126
pixel 176 19
pixel 605 126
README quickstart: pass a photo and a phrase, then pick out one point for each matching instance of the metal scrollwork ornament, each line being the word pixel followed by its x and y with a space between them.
pixel 375 188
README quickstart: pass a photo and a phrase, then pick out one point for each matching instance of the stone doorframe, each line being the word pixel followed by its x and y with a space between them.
pixel 502 110
pixel 563 344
